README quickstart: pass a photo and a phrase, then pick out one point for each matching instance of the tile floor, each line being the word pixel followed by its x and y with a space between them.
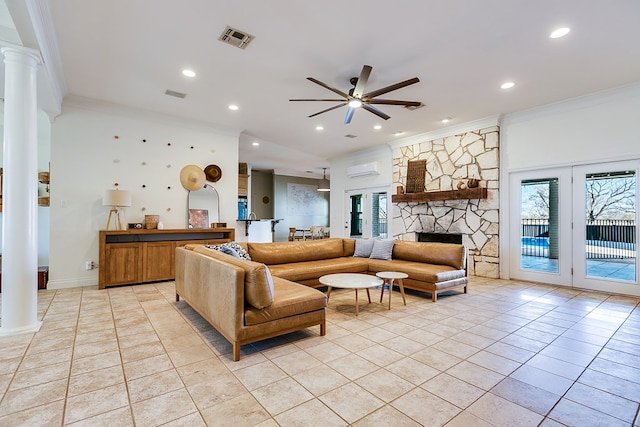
pixel 505 354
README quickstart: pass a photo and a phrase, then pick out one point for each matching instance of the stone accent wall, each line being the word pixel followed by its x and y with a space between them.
pixel 450 161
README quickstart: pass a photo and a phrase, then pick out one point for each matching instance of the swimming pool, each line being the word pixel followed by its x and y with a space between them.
pixel 541 242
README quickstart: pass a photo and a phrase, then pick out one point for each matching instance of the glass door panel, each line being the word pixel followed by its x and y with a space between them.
pixel 605 220
pixel 355 216
pixel 540 212
pixel 539 224
pixel 379 215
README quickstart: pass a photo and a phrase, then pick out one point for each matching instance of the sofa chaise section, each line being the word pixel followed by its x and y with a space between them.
pixel 219 287
pixel 432 267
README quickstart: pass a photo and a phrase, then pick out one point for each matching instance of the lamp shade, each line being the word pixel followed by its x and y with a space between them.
pixel 116 198
pixel 324 184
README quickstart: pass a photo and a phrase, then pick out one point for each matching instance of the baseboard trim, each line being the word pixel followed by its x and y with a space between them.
pixel 71 283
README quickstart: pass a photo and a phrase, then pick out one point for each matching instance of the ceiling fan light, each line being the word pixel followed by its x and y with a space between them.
pixel 355 103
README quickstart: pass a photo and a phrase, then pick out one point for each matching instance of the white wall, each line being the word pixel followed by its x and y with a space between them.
pixel 87 159
pixel 595 128
pixel 341 183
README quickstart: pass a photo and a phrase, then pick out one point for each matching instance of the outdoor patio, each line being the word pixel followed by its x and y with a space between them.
pixel 622 269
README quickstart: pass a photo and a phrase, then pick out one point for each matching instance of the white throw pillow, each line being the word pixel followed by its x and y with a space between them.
pixel 382 249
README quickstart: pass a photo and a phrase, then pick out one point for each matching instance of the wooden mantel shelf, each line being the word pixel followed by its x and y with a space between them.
pixel 431 196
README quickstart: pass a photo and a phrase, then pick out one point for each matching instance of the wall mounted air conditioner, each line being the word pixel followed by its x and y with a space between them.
pixel 363 170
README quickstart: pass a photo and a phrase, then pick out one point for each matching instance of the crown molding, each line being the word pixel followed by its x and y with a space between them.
pixel 584 101
pixel 448 131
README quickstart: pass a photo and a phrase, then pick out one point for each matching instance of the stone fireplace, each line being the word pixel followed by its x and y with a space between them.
pixel 451 162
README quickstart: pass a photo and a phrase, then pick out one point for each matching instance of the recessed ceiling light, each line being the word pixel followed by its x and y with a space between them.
pixel 233 107
pixel 377 127
pixel 560 32
pixel 446 120
pixel 507 85
pixel 255 143
pixel 319 127
pixel 188 73
pixel 398 133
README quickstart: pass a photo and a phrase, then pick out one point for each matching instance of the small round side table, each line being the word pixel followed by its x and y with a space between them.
pixel 389 277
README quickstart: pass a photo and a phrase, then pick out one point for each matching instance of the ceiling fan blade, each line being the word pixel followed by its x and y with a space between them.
pixel 390 88
pixel 362 81
pixel 349 115
pixel 394 102
pixel 375 111
pixel 328 100
pixel 329 109
pixel 326 86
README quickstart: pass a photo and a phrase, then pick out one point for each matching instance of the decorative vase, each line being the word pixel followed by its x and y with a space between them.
pixel 473 183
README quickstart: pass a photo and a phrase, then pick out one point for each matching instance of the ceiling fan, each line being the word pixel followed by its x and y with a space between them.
pixel 357 97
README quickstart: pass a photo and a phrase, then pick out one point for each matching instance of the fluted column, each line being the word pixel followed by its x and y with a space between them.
pixel 20 193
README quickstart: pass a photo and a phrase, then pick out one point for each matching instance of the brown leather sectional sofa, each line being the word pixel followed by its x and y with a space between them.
pixel 432 267
pixel 247 301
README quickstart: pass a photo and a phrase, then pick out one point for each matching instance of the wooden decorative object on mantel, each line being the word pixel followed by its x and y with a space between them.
pixel 416 170
pixel 431 196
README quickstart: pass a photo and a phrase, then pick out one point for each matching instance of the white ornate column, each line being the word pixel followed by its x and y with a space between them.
pixel 20 193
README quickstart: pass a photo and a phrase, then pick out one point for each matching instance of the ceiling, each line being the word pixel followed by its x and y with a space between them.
pixel 130 52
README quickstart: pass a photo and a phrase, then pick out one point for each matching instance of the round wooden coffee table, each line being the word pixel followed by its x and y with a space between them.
pixel 389 277
pixel 350 281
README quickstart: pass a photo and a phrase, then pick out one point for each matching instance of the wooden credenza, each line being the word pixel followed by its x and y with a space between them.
pixel 140 255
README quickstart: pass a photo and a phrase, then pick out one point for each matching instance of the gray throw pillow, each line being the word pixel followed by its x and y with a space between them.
pixel 363 248
pixel 228 250
pixel 382 249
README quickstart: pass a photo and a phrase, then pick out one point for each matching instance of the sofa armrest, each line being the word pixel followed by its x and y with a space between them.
pixel 213 288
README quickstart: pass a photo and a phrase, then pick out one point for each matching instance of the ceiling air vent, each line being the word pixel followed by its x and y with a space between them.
pixel 350 136
pixel 235 37
pixel 174 93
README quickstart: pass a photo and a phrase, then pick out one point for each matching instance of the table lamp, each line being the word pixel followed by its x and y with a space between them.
pixel 116 199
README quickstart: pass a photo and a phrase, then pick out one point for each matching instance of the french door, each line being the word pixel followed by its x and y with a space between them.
pixel 540 228
pixel 605 227
pixel 366 213
pixel 576 226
